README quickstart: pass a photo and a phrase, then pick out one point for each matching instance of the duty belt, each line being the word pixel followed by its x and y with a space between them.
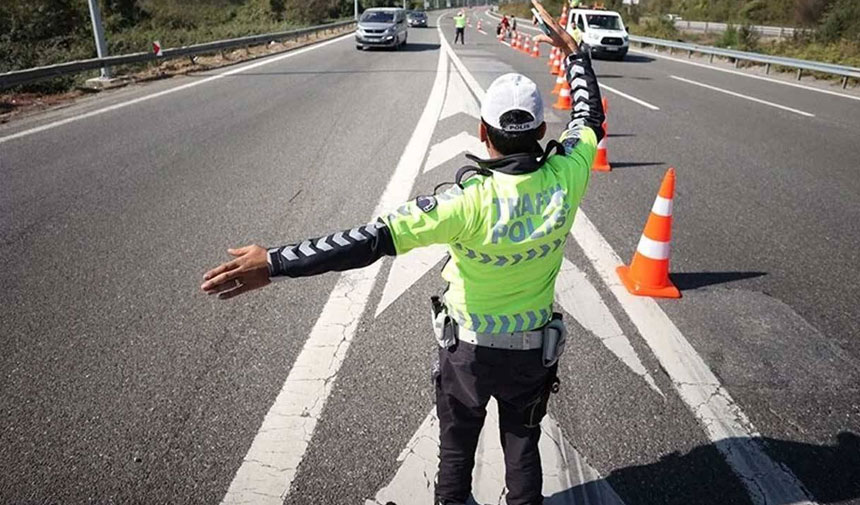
pixel 520 340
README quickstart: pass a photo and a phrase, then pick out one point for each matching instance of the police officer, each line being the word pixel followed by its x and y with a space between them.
pixel 460 28
pixel 505 222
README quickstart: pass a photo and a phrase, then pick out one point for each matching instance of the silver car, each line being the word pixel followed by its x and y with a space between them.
pixel 383 27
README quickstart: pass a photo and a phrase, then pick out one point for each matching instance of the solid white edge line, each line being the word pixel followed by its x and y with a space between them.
pixel 633 99
pixel 241 68
pixel 745 74
pixel 721 418
pixel 741 95
pixel 272 461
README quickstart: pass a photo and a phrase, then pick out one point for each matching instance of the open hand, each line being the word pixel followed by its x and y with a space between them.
pixel 560 38
pixel 248 271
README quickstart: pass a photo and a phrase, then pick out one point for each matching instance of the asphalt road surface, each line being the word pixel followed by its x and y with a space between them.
pixel 121 383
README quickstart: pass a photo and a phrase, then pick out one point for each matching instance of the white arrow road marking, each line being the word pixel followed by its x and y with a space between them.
pixel 722 419
pixel 459 99
pixel 453 147
pixel 567 477
pixel 269 467
pixel 579 298
pixel 406 270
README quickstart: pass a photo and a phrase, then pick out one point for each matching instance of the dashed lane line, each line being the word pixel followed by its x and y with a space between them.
pixel 741 95
pixel 722 419
pixel 747 74
pixel 632 98
pixel 269 468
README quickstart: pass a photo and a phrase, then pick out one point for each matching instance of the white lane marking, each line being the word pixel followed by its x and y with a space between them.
pixel 722 419
pixel 579 298
pixel 633 99
pixel 567 478
pixel 453 147
pixel 269 467
pixel 740 95
pixel 746 74
pixel 406 270
pixel 458 99
pixel 476 88
pixel 182 87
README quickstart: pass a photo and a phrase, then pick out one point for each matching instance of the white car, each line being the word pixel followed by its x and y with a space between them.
pixel 602 32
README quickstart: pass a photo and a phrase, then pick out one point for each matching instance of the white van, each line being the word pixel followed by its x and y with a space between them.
pixel 602 31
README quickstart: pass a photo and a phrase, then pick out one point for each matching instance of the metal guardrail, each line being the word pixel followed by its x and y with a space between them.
pixel 707 26
pixel 16 77
pixel 767 60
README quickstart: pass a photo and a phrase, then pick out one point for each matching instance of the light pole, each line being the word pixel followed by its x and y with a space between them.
pixel 99 34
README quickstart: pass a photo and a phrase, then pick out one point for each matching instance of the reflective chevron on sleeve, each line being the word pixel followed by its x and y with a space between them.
pixel 328 243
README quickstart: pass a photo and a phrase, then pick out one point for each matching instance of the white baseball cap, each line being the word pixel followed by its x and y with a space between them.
pixel 512 92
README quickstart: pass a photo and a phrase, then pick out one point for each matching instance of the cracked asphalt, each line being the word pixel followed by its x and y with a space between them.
pixel 121 383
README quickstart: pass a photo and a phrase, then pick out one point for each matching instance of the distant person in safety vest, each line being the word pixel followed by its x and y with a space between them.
pixel 460 28
pixel 505 222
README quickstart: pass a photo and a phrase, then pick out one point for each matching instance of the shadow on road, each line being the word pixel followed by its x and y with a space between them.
pixel 632 164
pixel 831 473
pixel 612 135
pixel 410 47
pixel 638 58
pixel 616 76
pixel 693 280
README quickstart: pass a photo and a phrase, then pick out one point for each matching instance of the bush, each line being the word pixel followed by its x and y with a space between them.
pixel 729 38
pixel 842 21
pixel 748 38
pixel 658 28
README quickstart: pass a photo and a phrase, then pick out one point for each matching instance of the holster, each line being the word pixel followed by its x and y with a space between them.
pixel 443 327
pixel 554 340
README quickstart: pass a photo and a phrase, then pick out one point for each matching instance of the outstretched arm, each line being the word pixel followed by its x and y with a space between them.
pixel 421 222
pixel 254 266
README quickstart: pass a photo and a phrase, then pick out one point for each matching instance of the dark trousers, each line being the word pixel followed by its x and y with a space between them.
pixel 468 375
pixel 460 35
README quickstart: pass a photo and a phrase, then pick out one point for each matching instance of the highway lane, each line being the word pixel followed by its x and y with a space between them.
pixel 754 183
pixel 121 382
pixel 124 385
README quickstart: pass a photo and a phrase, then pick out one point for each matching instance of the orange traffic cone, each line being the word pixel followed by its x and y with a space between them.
pixel 535 48
pixel 524 44
pixel 648 274
pixel 564 102
pixel 514 40
pixel 559 83
pixel 551 59
pixel 601 161
pixel 556 65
